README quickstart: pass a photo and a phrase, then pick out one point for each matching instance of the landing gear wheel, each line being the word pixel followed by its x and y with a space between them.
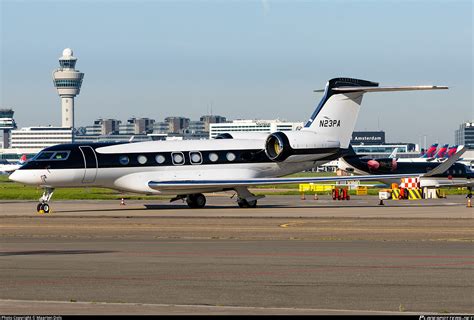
pixel 195 201
pixel 247 204
pixel 42 208
pixel 46 208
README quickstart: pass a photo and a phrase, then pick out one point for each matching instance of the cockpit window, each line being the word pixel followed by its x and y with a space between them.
pixel 46 155
pixel 61 155
pixel 51 155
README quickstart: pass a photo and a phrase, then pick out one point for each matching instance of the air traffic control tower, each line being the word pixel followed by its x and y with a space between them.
pixel 7 124
pixel 67 81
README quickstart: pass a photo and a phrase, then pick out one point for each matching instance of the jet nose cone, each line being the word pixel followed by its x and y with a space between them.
pixel 21 177
pixel 14 176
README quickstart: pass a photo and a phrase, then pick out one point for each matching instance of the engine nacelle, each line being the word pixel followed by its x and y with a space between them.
pixel 299 145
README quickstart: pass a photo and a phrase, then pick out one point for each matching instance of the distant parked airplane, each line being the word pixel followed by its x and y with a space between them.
pixel 451 151
pixel 442 152
pixel 447 173
pixel 8 167
pixel 430 152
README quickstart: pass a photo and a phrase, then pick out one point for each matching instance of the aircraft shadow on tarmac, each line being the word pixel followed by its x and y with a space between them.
pixel 315 206
pixel 262 206
pixel 52 252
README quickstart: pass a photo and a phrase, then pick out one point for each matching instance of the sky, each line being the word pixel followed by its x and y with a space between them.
pixel 241 60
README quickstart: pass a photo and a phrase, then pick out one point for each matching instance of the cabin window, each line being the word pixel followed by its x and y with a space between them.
pixel 124 160
pixel 230 156
pixel 142 159
pixel 213 157
pixel 160 159
pixel 195 157
pixel 178 158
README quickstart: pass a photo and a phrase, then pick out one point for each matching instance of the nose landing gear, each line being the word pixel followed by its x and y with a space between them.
pixel 43 206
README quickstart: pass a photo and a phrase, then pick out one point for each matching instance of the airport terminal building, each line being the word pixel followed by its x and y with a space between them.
pixel 264 126
pixel 465 134
pixel 373 143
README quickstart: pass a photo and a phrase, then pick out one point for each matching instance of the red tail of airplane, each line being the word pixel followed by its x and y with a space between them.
pixel 431 151
pixel 22 159
pixel 442 151
pixel 451 151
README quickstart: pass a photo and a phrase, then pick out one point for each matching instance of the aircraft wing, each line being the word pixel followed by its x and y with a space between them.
pixel 446 164
pixel 444 183
pixel 232 183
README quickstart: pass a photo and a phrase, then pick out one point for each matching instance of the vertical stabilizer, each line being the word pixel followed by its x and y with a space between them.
pixel 336 114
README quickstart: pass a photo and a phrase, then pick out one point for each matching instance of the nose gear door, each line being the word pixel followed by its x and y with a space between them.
pixel 90 164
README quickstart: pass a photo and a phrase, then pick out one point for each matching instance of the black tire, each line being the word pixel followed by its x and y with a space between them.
pixel 200 200
pixel 252 204
pixel 196 201
pixel 39 207
pixel 242 203
pixel 46 208
pixel 247 204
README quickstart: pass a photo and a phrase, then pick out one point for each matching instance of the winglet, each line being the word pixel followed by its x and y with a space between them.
pixel 394 153
pixel 446 164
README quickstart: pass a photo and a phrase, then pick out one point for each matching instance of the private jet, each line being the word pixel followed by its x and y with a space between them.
pixel 447 173
pixel 189 168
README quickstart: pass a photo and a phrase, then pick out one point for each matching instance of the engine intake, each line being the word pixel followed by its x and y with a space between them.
pixel 277 147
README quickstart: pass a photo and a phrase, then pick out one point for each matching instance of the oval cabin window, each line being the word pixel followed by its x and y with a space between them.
pixel 142 159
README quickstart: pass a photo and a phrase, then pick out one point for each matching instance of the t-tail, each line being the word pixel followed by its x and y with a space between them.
pixel 336 114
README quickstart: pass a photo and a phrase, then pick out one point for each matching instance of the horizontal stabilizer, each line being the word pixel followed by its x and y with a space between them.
pixel 381 89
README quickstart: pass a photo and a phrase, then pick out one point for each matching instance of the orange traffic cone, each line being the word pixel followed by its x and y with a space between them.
pixel 469 205
pixel 302 196
pixel 122 203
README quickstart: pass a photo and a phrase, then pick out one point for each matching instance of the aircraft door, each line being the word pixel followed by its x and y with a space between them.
pixel 90 164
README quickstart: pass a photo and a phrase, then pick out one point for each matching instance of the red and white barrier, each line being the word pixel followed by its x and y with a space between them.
pixel 410 183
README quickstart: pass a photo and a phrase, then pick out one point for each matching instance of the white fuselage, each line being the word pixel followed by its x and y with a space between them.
pixel 93 171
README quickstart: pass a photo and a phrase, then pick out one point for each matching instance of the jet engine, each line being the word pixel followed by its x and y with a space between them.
pixel 298 146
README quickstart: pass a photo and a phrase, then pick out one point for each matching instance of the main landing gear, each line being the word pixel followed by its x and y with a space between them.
pixel 43 206
pixel 247 204
pixel 246 199
pixel 195 201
